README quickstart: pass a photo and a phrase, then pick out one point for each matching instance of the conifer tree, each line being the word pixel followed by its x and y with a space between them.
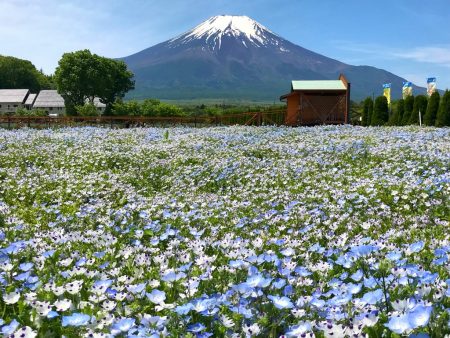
pixel 433 106
pixel 408 108
pixel 443 115
pixel 396 118
pixel 367 111
pixel 420 105
pixel 380 113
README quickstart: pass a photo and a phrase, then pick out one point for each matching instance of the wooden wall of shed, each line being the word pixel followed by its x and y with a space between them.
pixel 293 102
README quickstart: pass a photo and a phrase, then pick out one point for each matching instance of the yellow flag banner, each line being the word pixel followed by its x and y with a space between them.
pixel 387 92
pixel 407 89
pixel 431 85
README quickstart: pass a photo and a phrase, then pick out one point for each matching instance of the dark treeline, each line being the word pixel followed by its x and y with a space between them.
pixel 22 74
pixel 154 107
pixel 434 111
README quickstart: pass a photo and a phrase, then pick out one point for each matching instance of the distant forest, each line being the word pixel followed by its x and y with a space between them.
pixel 22 74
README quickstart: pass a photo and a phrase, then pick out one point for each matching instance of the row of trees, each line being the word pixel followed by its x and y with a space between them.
pixel 18 74
pixel 149 107
pixel 80 77
pixel 434 111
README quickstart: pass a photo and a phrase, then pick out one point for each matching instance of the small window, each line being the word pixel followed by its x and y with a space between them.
pixel 51 108
pixel 15 106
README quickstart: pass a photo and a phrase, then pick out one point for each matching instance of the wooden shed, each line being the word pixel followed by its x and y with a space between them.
pixel 315 102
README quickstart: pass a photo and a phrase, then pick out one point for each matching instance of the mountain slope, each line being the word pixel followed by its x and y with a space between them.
pixel 234 57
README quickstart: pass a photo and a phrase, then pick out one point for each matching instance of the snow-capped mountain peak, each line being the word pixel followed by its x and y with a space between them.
pixel 216 28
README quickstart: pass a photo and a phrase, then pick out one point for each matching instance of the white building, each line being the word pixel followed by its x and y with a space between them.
pixel 12 99
pixel 50 101
pixel 53 103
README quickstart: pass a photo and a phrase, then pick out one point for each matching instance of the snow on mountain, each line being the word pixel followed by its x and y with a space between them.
pixel 216 28
pixel 238 58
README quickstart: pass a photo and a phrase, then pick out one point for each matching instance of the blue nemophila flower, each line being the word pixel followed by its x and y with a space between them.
pixel 279 283
pixel 76 319
pixel 258 281
pixel 25 266
pixel 202 304
pixel 370 282
pixel 156 296
pixel 400 324
pixel 49 253
pixel 372 297
pixel 172 276
pixel 281 302
pixel 357 276
pixel 184 309
pixel 419 335
pixel 363 250
pixel 197 327
pixel 236 263
pixel 10 328
pixel 318 303
pixel 52 314
pixel 244 289
pixel 394 256
pixel 15 247
pixel 100 286
pixel 299 329
pixel 420 316
pixel 23 276
pixel 302 271
pixel 122 325
pixel 136 289
pixel 416 247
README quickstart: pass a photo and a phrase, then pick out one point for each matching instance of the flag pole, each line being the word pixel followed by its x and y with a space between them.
pixel 420 119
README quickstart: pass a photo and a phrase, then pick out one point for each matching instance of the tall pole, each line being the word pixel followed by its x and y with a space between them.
pixel 420 119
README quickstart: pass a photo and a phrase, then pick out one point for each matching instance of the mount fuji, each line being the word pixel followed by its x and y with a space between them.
pixel 235 57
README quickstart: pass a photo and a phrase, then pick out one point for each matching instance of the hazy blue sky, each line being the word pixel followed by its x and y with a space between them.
pixel 408 38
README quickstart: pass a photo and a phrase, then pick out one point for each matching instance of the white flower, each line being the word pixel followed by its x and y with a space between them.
pixel 24 332
pixel 252 330
pixel 42 308
pixel 74 287
pixel 63 305
pixel 11 298
pixel 226 321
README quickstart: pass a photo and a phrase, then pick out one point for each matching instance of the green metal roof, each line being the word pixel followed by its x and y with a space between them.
pixel 318 85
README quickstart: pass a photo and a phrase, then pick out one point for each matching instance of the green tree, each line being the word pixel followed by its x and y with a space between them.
pixel 396 118
pixel 420 104
pixel 129 108
pixel 367 111
pixel 380 111
pixel 429 118
pixel 82 76
pixel 408 108
pixel 21 74
pixel 88 109
pixel 443 115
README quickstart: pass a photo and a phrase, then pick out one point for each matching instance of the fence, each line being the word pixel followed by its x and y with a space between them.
pixel 275 117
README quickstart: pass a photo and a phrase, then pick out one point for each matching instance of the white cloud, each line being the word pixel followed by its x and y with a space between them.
pixel 436 54
pixel 430 54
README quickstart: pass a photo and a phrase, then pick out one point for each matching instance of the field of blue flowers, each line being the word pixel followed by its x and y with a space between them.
pixel 225 232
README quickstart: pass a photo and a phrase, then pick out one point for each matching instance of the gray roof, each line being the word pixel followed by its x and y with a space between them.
pixel 30 99
pixel 318 85
pixel 49 99
pixel 13 95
